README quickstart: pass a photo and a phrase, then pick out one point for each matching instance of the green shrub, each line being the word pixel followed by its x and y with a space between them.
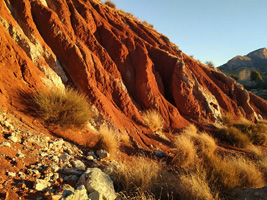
pixel 68 109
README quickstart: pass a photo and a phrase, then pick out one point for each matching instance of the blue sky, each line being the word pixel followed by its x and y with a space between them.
pixel 211 30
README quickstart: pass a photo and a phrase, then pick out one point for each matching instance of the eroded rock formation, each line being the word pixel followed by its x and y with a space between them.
pixel 123 66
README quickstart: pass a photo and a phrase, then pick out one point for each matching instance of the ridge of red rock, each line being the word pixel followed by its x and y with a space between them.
pixel 123 66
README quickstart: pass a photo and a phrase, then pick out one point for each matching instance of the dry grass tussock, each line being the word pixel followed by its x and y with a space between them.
pixel 68 108
pixel 263 166
pixel 110 4
pixel 153 120
pixel 191 145
pixel 108 140
pixel 185 152
pixel 230 172
pixel 249 174
pixel 138 196
pixel 137 175
pixel 242 132
pixel 194 186
pixel 205 144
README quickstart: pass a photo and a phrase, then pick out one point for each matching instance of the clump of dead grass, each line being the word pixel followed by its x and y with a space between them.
pixel 230 172
pixel 249 174
pixel 242 132
pixel 153 120
pixel 194 186
pixel 66 108
pixel 108 140
pixel 233 136
pixel 110 4
pixel 185 152
pixel 137 175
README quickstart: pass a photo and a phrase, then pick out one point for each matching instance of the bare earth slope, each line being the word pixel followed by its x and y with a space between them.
pixel 123 66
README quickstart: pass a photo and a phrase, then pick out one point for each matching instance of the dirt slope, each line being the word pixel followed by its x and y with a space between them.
pixel 123 66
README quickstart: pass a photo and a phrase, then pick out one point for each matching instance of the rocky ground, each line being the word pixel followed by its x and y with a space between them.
pixel 38 165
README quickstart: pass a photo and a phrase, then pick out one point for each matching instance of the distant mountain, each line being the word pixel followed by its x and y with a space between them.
pixel 243 65
pixel 256 59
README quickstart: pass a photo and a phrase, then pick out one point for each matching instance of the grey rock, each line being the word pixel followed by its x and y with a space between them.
pixel 80 193
pixel 41 184
pixel 102 153
pixel 72 172
pixel 79 165
pixel 161 154
pixel 249 194
pixel 95 196
pixel 96 180
pixel 64 157
pixel 67 190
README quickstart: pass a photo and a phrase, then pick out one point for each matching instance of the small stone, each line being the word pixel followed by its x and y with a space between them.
pixel 95 196
pixel 67 190
pixel 79 165
pixel 21 175
pixel 56 176
pixel 68 151
pixel 14 138
pixel 20 155
pixel 102 153
pixel 35 171
pixel 12 174
pixel 80 193
pixel 7 144
pixel 54 158
pixel 90 158
pixel 161 154
pixel 72 172
pixel 72 179
pixel 41 184
pixel 96 180
pixel 22 185
pixel 55 168
pixel 55 197
pixel 65 157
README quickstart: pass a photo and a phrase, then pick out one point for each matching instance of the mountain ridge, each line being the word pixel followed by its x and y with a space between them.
pixel 256 60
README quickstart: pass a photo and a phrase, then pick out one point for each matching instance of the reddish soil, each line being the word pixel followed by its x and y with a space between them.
pixel 123 66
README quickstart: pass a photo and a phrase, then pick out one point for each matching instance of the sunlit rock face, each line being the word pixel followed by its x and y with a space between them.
pixel 122 65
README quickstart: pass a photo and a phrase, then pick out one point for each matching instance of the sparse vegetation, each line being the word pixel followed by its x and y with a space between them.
pixel 233 136
pixel 137 175
pixel 194 186
pixel 235 77
pixel 108 140
pixel 68 108
pixel 110 4
pixel 153 120
pixel 255 76
pixel 242 132
pixel 185 153
pixel 210 64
